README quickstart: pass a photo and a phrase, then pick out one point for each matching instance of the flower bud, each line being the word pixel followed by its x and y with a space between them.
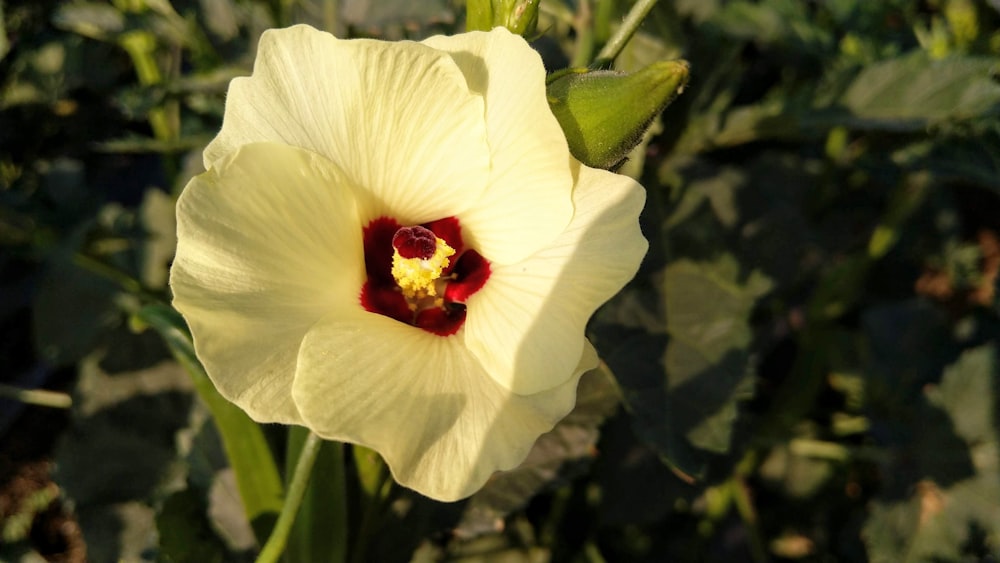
pixel 519 16
pixel 605 113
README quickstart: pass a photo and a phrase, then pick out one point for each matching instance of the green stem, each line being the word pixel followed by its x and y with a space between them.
pixel 37 397
pixel 242 439
pixel 584 25
pixel 122 278
pixel 141 48
pixel 624 32
pixel 275 545
pixel 320 532
pixel 603 14
pixel 285 12
pixel 330 15
pixel 478 15
pixel 747 512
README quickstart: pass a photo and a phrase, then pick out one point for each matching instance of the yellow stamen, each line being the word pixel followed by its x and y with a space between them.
pixel 417 276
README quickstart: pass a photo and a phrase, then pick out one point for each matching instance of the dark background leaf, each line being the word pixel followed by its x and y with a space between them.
pixel 806 356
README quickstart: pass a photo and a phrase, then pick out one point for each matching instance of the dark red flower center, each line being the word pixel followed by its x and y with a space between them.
pixel 442 314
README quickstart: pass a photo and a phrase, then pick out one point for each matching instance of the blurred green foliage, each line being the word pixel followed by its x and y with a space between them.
pixel 806 364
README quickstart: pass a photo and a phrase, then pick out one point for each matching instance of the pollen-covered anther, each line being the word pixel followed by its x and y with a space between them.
pixel 418 259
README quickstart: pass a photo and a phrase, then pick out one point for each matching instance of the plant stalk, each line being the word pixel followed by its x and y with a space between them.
pixel 275 545
pixel 625 31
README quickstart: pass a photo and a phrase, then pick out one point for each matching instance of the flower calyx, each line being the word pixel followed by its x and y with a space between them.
pixel 605 113
pixel 519 16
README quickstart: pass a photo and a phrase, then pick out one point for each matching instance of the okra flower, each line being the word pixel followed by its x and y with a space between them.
pixel 392 246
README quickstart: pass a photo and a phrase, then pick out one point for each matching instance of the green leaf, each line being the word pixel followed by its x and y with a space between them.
pixel 911 91
pixel 213 479
pixel 159 224
pixel 90 19
pixel 220 18
pixel 135 144
pixel 707 359
pixel 968 393
pixel 370 469
pixel 18 522
pixel 566 446
pixel 685 404
pixel 904 94
pixel 122 448
pixel 72 308
pixel 636 486
pixel 22 552
pixel 785 23
pixel 4 42
pixel 391 18
pixel 937 413
pixel 974 160
pixel 256 473
pixel 186 536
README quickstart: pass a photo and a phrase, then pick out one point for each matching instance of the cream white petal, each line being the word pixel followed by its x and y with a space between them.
pixel 397 117
pixel 526 325
pixel 528 201
pixel 422 401
pixel 268 243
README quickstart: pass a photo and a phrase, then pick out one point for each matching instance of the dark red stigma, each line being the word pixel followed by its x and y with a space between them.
pixel 415 242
